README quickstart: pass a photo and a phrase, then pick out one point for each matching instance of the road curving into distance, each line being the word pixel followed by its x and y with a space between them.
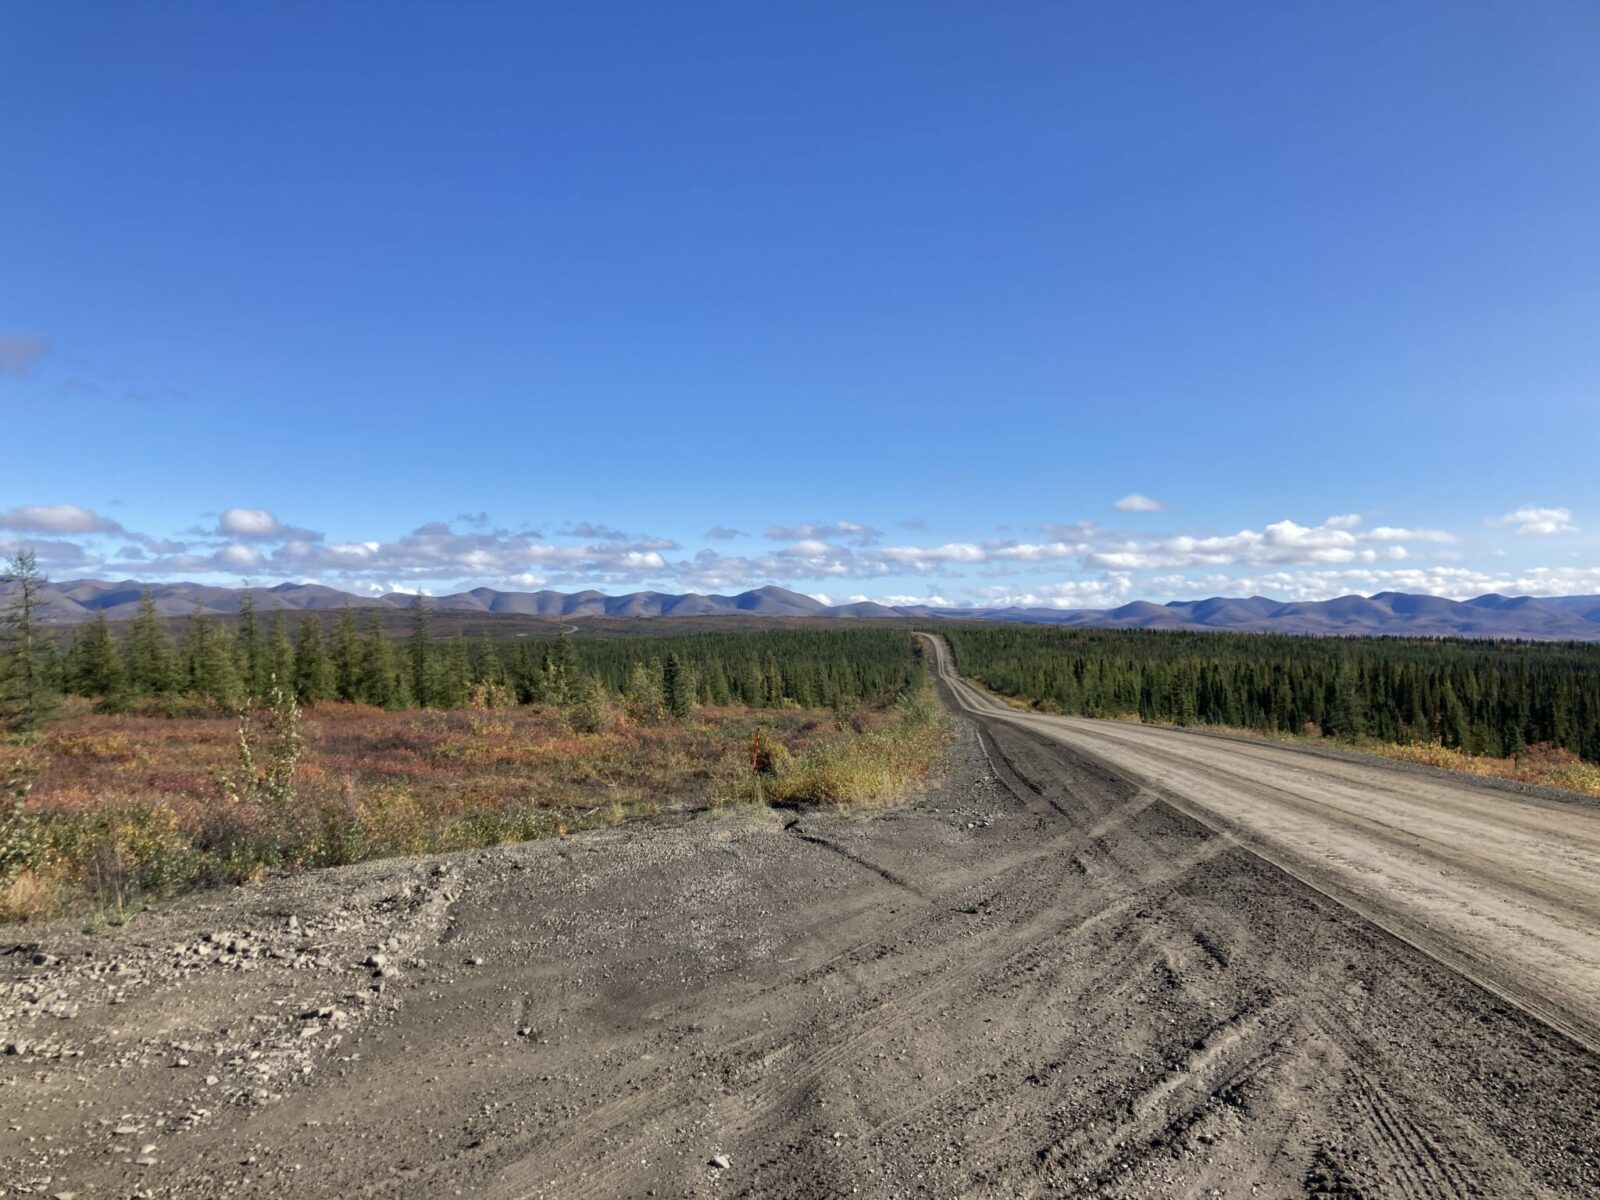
pixel 1499 885
pixel 1091 960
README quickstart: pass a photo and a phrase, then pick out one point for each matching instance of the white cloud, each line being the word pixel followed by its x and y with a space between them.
pixel 437 552
pixel 1138 502
pixel 454 556
pixel 256 525
pixel 813 548
pixel 1032 552
pixel 920 556
pixel 1456 583
pixel 1537 522
pixel 238 557
pixel 585 529
pixel 1080 565
pixel 48 552
pixel 1388 533
pixel 248 523
pixel 1281 543
pixel 932 600
pixel 852 530
pixel 56 518
pixel 1109 591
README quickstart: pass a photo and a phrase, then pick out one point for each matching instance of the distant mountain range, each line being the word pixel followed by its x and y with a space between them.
pixel 1396 613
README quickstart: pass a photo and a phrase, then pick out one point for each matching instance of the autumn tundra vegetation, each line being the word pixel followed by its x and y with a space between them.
pixel 147 757
pixel 139 763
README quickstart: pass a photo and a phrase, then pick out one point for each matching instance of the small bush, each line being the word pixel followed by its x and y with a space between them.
pixel 121 849
pixel 869 768
pixel 592 712
pixel 134 807
pixel 277 746
pixel 21 847
pixel 392 821
pixel 96 745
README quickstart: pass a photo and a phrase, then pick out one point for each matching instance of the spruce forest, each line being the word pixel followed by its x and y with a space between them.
pixel 1477 697
pixel 139 760
pixel 215 663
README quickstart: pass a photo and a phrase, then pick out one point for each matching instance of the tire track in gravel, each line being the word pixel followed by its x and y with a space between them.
pixel 1500 886
pixel 1042 978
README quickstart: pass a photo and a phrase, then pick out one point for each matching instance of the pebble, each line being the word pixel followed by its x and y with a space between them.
pixel 721 1162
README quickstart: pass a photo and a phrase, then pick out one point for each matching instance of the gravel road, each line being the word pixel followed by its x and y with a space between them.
pixel 1502 885
pixel 1044 977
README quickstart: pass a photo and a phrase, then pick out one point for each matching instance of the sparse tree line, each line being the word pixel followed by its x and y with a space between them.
pixel 1494 698
pixel 224 664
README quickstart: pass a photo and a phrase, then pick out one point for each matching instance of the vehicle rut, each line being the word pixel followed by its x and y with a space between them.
pixel 1049 975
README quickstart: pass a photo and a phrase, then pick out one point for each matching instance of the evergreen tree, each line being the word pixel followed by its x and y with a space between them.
pixel 1342 716
pixel 486 666
pixel 772 691
pixel 27 697
pixel 718 691
pixel 590 711
pixel 313 669
pixel 52 669
pixel 424 687
pixel 1454 728
pixel 346 656
pixel 278 659
pixel 455 675
pixel 250 660
pixel 677 688
pixel 645 702
pixel 191 652
pixel 560 673
pixel 217 666
pixel 95 665
pixel 150 666
pixel 379 673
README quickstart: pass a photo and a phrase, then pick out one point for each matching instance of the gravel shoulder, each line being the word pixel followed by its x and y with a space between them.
pixel 1040 978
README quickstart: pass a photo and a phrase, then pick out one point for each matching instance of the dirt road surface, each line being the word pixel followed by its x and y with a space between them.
pixel 1053 975
pixel 1505 886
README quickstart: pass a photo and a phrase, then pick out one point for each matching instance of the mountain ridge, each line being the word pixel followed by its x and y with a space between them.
pixel 1546 618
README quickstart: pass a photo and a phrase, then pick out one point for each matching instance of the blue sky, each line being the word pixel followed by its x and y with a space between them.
pixel 887 300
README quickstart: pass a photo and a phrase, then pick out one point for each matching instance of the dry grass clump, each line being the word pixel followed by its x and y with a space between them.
pixel 874 762
pixel 125 807
pixel 1544 764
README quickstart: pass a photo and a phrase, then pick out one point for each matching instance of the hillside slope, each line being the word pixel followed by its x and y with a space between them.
pixel 1546 618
